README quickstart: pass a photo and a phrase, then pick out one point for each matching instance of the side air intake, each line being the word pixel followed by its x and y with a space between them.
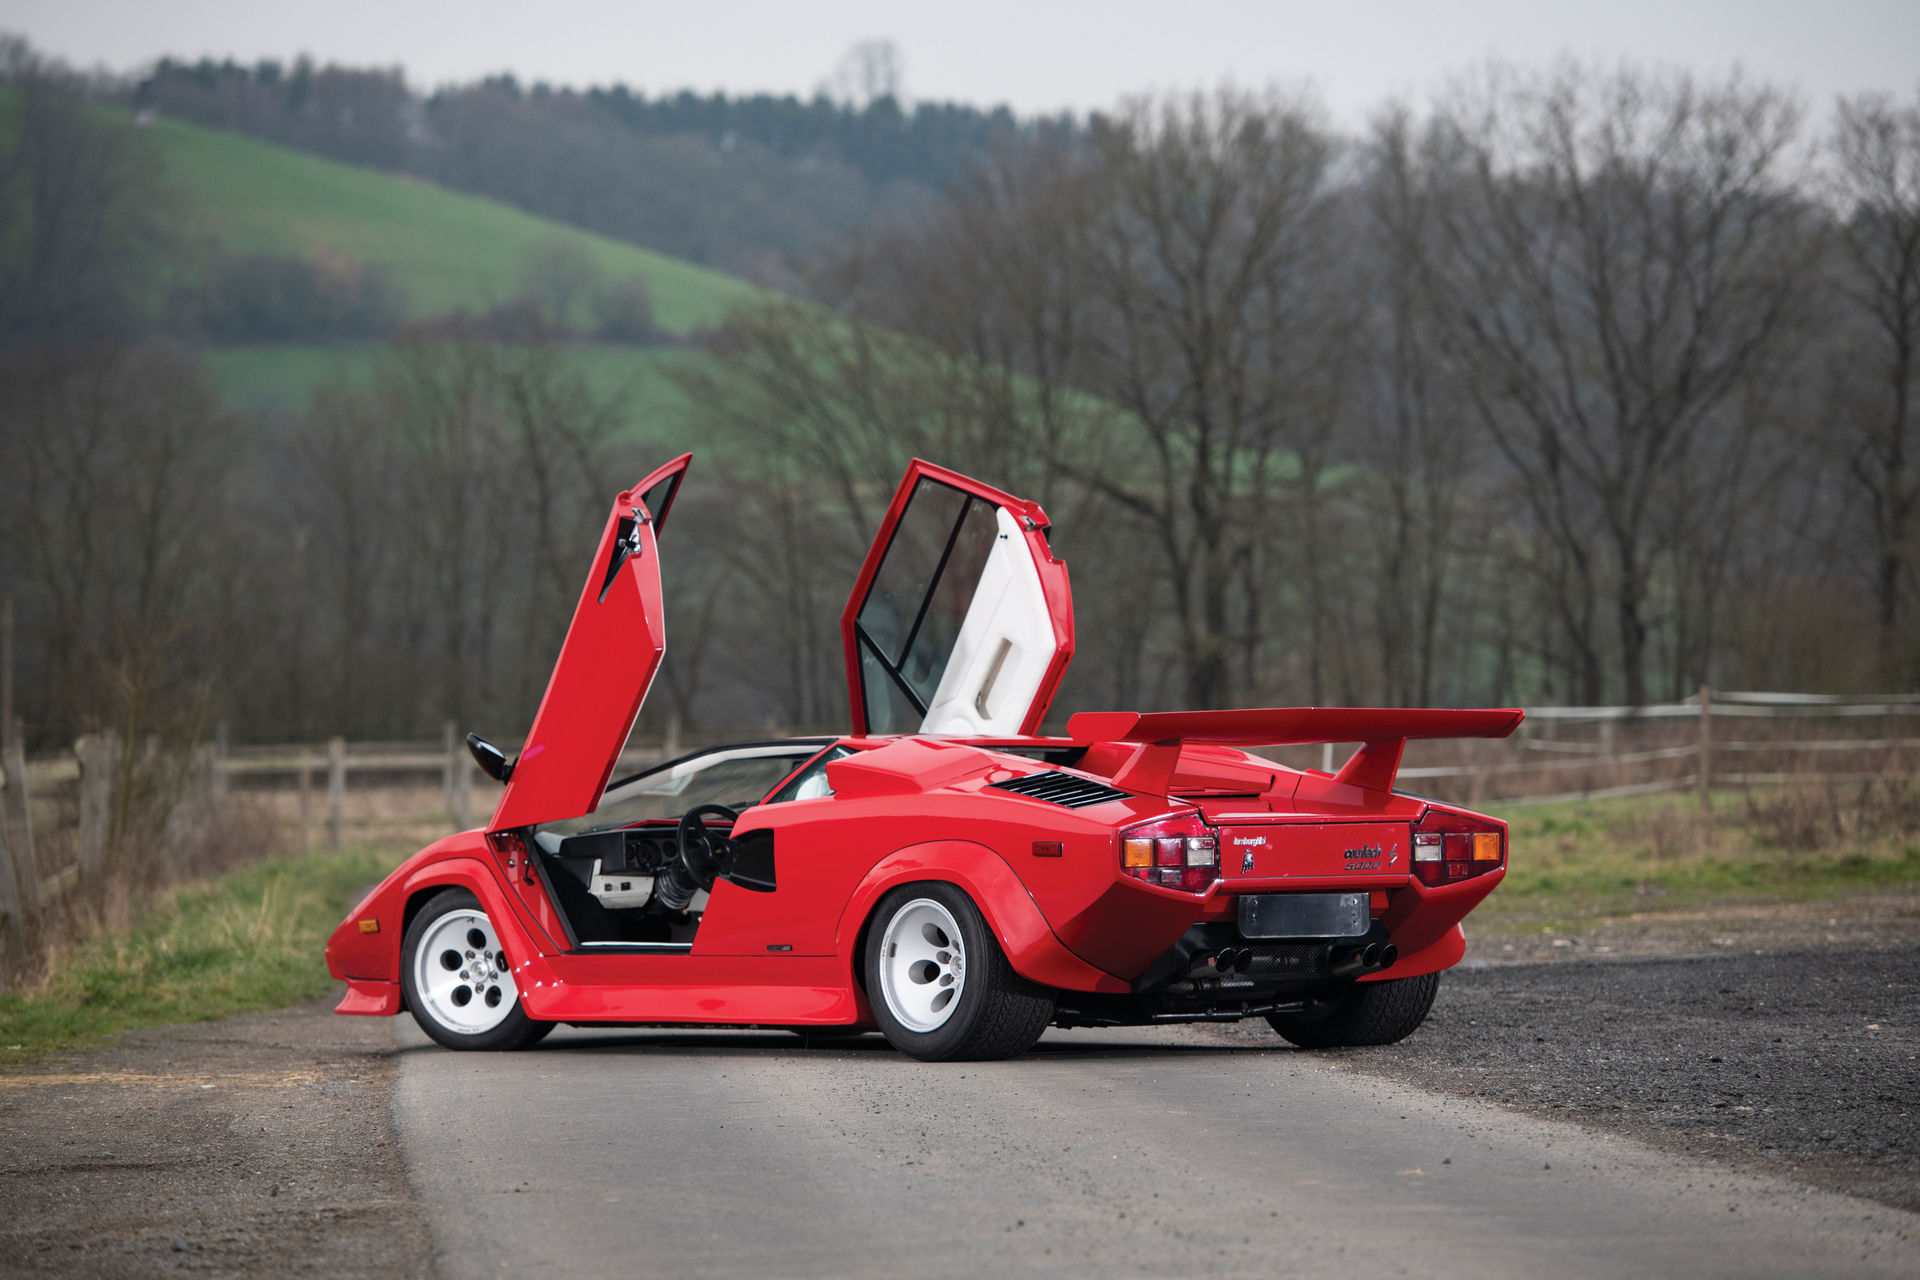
pixel 1061 789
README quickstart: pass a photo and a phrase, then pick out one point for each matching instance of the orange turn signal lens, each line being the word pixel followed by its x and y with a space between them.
pixel 1486 846
pixel 1136 853
pixel 369 926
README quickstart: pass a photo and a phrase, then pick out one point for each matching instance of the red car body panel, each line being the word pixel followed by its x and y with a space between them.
pixel 1047 877
pixel 612 653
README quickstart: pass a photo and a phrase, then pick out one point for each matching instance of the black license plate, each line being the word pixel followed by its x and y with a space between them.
pixel 1304 915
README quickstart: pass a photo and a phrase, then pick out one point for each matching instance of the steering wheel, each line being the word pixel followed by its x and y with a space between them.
pixel 704 856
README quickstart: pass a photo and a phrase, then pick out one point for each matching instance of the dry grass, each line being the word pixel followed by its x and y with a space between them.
pixel 1831 812
pixel 1578 862
pixel 250 939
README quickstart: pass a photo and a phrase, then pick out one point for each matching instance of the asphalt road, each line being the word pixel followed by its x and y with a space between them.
pixel 1164 1152
pixel 1803 1062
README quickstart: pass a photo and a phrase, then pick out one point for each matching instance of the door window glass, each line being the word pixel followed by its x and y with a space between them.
pixel 810 782
pixel 739 782
pixel 920 596
pixel 659 498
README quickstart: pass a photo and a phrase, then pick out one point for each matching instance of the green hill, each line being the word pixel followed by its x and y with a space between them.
pixel 446 250
pixel 286 376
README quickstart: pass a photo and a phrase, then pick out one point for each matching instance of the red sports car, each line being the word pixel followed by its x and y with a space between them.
pixel 943 872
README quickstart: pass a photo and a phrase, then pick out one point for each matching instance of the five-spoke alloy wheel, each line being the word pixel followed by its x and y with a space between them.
pixel 459 986
pixel 940 986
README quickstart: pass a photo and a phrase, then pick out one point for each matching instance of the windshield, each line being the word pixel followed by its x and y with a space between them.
pixel 737 779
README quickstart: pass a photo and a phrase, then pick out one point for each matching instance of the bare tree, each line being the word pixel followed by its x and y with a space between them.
pixel 557 276
pixel 119 521
pixel 1877 152
pixel 82 212
pixel 1418 454
pixel 868 71
pixel 1208 337
pixel 1619 254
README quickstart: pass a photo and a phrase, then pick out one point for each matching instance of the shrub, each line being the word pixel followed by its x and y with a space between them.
pixel 623 311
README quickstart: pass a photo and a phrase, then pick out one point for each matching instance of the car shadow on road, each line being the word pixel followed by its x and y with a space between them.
pixel 1077 1046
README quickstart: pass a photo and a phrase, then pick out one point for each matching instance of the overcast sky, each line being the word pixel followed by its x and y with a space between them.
pixel 1037 55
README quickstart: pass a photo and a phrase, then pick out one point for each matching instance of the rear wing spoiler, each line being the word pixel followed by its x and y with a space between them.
pixel 1382 732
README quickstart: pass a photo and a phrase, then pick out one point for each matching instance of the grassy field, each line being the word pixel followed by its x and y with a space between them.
pixel 286 376
pixel 1578 862
pixel 445 249
pixel 250 940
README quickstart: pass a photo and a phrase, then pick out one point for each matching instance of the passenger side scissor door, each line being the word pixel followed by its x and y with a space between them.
pixel 961 621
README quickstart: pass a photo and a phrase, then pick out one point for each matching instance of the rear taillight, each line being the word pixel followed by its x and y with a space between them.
pixel 1180 853
pixel 1454 846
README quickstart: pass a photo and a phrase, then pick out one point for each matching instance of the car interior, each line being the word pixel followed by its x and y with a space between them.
pixel 625 876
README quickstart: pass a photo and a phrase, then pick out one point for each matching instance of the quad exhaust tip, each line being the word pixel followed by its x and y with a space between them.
pixel 1371 958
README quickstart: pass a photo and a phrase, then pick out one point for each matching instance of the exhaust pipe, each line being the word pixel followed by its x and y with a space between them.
pixel 1367 959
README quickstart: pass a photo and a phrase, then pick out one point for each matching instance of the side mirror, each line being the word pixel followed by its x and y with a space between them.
pixel 492 761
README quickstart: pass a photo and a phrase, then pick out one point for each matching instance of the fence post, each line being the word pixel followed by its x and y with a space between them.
pixel 449 747
pixel 306 801
pixel 671 747
pixel 18 787
pixel 336 790
pixel 460 769
pixel 13 917
pixel 98 754
pixel 217 782
pixel 8 734
pixel 1706 750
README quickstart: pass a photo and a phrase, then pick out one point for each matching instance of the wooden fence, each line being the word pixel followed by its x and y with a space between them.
pixel 55 809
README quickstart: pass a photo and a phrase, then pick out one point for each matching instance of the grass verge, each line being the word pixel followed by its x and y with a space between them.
pixel 1571 865
pixel 252 939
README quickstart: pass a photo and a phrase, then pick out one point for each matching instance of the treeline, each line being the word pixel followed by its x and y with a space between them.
pixel 1580 386
pixel 743 183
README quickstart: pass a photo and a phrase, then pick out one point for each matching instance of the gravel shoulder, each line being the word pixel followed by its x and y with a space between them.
pixel 259 1145
pixel 1801 1063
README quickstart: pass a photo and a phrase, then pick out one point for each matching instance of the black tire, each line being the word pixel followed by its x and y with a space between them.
pixel 1369 1013
pixel 515 1029
pixel 997 1014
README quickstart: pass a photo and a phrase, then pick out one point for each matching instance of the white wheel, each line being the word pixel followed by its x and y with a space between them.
pixel 923 965
pixel 939 985
pixel 461 975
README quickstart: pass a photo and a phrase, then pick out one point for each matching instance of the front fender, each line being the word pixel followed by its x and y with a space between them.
pixel 1010 911
pixel 369 962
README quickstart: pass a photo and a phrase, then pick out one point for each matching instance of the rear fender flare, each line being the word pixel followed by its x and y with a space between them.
pixel 1022 931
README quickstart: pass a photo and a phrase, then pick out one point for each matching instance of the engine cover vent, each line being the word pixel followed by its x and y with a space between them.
pixel 1061 789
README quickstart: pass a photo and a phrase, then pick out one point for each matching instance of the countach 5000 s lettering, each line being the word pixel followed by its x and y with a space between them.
pixel 944 872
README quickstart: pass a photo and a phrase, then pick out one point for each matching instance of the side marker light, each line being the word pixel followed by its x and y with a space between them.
pixel 369 926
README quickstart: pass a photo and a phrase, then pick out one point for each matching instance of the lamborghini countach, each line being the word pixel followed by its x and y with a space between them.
pixel 944 871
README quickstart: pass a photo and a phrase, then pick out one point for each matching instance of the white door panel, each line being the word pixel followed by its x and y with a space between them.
pixel 1003 649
